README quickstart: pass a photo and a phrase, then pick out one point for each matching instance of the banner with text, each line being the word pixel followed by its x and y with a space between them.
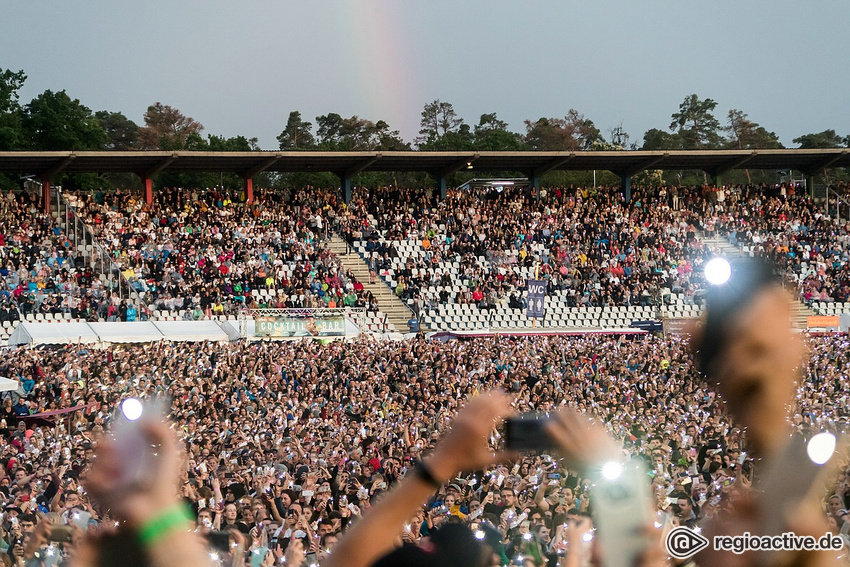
pixel 283 326
pixel 536 299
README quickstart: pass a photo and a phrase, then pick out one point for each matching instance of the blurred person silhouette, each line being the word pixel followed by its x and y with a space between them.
pixel 153 524
pixel 745 344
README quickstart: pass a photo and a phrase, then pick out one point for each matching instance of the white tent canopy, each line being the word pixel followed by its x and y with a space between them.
pixel 41 333
pixel 8 385
pixel 127 332
pixel 191 330
pixel 44 333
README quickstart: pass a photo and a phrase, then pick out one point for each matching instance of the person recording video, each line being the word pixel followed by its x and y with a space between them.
pixel 584 445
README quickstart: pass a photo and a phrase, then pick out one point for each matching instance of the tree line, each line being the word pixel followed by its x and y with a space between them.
pixel 56 121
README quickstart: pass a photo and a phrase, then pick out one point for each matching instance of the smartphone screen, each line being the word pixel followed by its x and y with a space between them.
pixel 528 433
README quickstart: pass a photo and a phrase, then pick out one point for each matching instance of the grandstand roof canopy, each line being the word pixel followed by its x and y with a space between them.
pixel 149 163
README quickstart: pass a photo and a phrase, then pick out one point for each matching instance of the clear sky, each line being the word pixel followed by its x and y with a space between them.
pixel 240 66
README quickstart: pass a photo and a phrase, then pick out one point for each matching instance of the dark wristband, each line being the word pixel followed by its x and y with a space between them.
pixel 425 474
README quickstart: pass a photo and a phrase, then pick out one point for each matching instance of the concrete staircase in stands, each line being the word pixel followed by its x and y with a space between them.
pixel 722 247
pixel 397 311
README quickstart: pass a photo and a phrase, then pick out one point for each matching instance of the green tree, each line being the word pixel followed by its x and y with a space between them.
pixel 492 134
pixel 573 132
pixel 695 123
pixel 235 144
pixel 120 131
pixel 330 131
pixel 166 128
pixel 10 109
pixel 820 140
pixel 746 134
pixel 298 134
pixel 388 139
pixel 655 139
pixel 439 119
pixel 55 121
pixel 336 133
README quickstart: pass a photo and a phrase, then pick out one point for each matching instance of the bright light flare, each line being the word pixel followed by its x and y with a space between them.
pixel 612 470
pixel 718 271
pixel 821 447
pixel 131 408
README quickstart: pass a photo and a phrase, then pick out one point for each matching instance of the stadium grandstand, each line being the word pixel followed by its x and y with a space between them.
pixel 418 299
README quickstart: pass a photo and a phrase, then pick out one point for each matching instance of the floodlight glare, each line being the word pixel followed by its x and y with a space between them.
pixel 612 470
pixel 821 447
pixel 718 271
pixel 132 408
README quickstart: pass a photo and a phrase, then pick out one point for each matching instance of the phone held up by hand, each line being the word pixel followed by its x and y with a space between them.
pixel 134 451
pixel 528 432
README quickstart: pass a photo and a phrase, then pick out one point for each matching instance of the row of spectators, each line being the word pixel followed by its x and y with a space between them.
pixel 602 251
pixel 294 441
pixel 205 254
pixel 587 241
pixel 42 273
pixel 809 246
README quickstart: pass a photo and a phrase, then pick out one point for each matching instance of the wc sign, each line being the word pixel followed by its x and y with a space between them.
pixel 536 298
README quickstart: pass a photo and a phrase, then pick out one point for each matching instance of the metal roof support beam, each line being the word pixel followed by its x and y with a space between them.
pixel 442 185
pixel 148 184
pixel 45 195
pixel 626 180
pixel 355 169
pixel 158 168
pixel 733 164
pixel 534 180
pixel 345 181
pixel 458 165
pixel 628 172
pixel 58 168
pixel 262 166
pixel 248 183
pixel 552 165
pixel 819 166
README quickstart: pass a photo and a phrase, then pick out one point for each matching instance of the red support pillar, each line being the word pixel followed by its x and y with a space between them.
pixel 45 195
pixel 249 189
pixel 148 189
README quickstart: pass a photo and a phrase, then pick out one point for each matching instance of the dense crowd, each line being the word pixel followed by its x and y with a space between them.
pixel 295 441
pixel 810 247
pixel 587 241
pixel 602 251
pixel 202 253
pixel 41 272
pixel 205 252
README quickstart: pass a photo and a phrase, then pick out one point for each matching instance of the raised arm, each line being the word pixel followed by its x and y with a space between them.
pixel 465 447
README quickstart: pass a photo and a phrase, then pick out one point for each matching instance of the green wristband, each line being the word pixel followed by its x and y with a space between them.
pixel 169 520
